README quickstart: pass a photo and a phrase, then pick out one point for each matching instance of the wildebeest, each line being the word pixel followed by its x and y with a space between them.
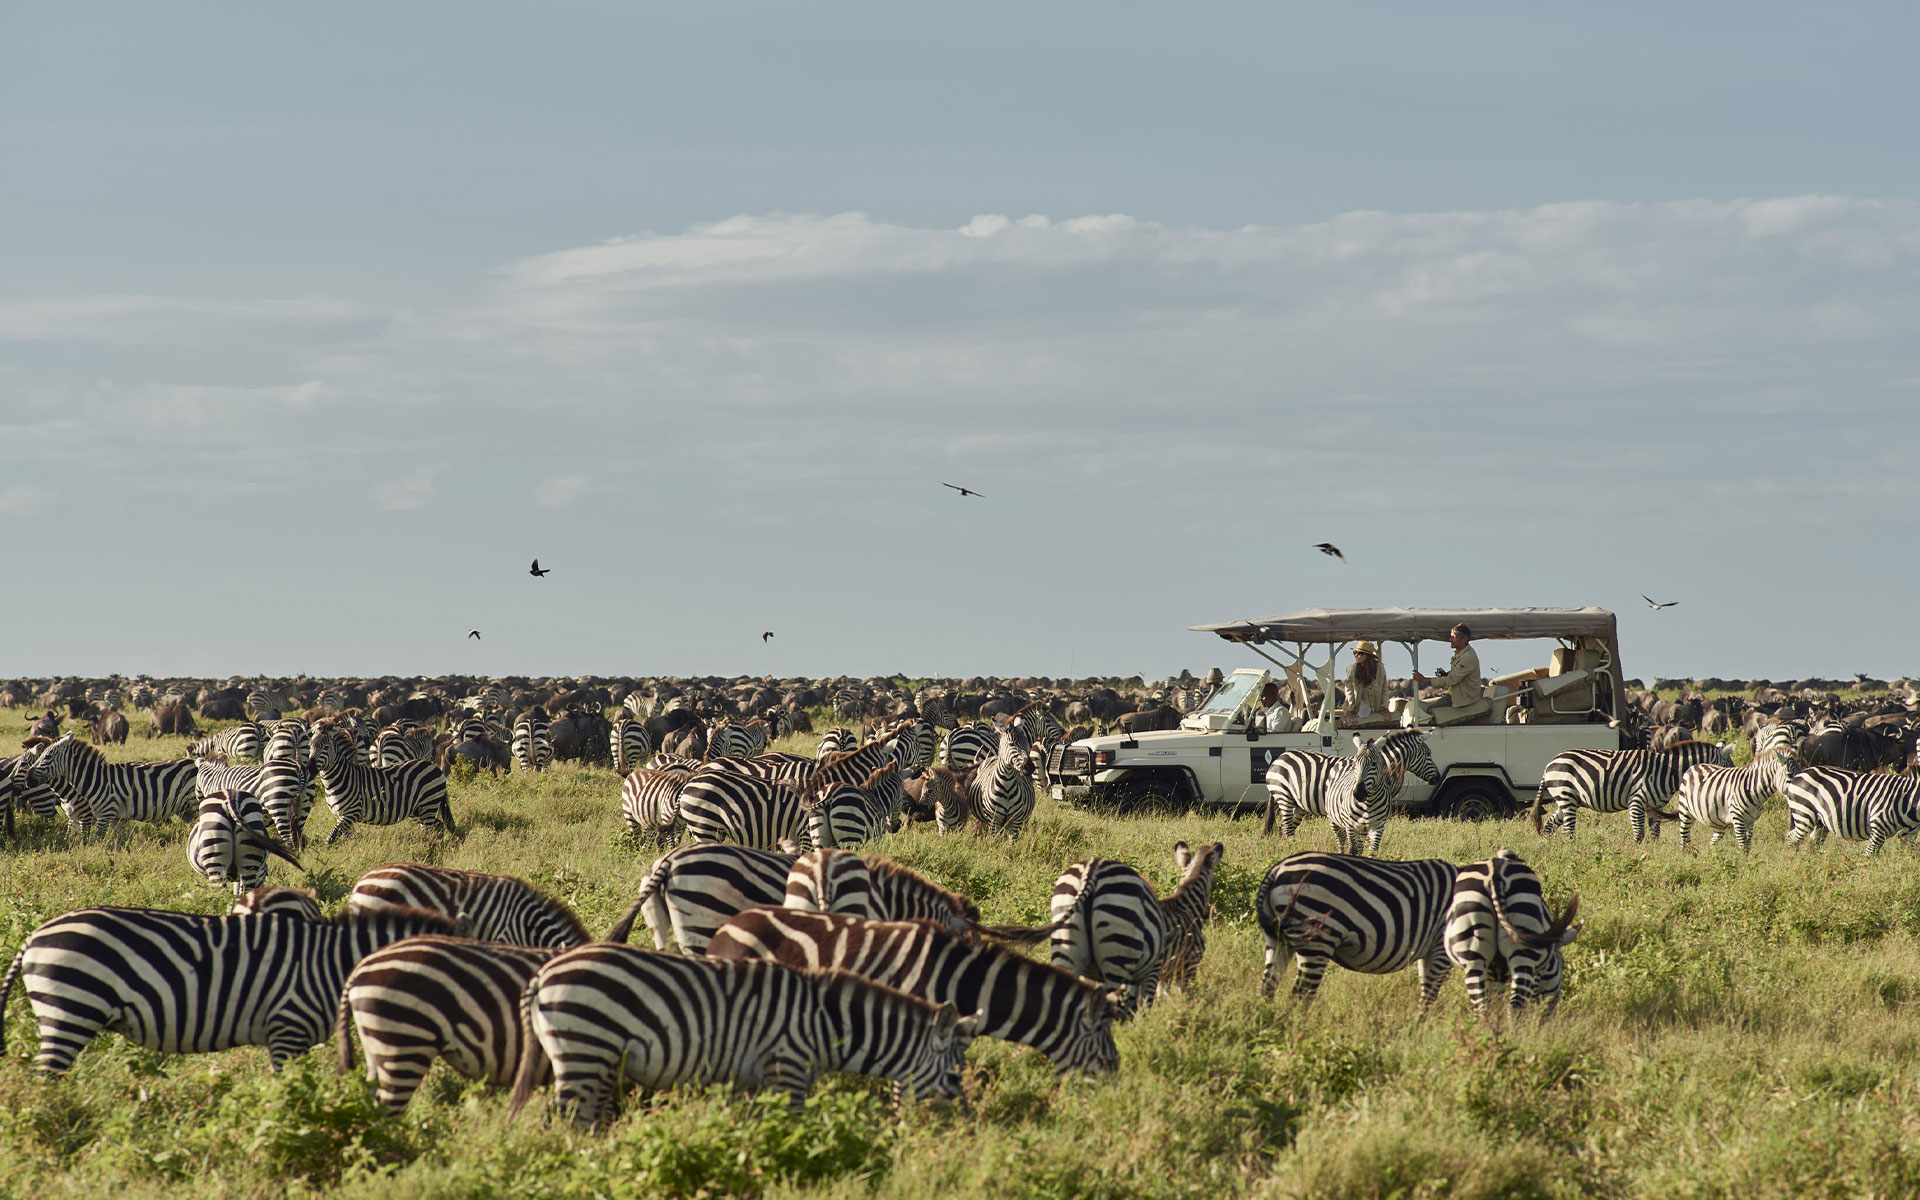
pixel 173 719
pixel 110 726
pixel 1147 720
pixel 47 726
pixel 582 737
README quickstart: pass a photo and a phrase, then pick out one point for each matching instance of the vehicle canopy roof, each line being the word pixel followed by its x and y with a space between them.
pixel 1335 625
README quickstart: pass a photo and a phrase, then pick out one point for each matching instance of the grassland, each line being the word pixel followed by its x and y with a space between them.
pixel 1730 1027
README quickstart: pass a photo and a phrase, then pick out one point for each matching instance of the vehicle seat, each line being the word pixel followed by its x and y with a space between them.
pixel 1448 714
pixel 1567 696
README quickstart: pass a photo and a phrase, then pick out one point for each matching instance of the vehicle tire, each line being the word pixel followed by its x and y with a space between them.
pixel 1478 801
pixel 1141 797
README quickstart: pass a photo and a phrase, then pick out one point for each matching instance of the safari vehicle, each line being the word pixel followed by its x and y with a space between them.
pixel 1490 753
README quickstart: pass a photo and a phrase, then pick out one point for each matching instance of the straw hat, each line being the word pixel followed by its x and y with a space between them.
pixel 1363 646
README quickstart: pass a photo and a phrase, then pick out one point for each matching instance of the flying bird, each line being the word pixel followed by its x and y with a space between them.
pixel 1656 605
pixel 963 491
pixel 1329 549
pixel 474 634
pixel 766 635
pixel 537 572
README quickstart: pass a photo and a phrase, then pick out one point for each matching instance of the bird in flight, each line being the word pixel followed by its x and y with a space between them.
pixel 963 491
pixel 474 634
pixel 537 572
pixel 766 635
pixel 1655 604
pixel 1330 550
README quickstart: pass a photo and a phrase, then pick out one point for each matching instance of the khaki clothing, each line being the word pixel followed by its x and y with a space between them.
pixel 1462 679
pixel 1367 699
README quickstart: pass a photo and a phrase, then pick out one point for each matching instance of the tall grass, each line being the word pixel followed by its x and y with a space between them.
pixel 1730 1027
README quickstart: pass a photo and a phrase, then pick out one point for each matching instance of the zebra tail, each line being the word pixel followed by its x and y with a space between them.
pixel 274 846
pixel 532 1056
pixel 623 927
pixel 1273 814
pixel 343 1034
pixel 6 992
pixel 1538 810
pixel 1532 941
pixel 1021 935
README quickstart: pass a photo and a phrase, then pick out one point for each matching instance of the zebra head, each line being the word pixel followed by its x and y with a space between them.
pixel 1408 748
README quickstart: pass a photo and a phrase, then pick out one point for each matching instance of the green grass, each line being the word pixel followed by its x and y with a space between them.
pixel 1729 1027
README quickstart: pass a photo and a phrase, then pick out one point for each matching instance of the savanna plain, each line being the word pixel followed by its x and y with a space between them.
pixel 1730 1026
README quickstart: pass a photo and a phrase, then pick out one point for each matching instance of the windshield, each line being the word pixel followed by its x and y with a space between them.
pixel 1237 690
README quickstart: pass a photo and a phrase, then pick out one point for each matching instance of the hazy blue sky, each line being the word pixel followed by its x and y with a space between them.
pixel 318 321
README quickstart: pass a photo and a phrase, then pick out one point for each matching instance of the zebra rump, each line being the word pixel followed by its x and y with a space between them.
pixel 230 841
pixel 692 891
pixel 1499 924
pixel 501 907
pixel 1109 925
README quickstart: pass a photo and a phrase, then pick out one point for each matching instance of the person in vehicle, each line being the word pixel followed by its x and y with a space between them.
pixel 1271 715
pixel 1462 677
pixel 1366 684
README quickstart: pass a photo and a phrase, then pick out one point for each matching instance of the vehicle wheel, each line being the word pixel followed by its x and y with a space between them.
pixel 1478 802
pixel 1138 798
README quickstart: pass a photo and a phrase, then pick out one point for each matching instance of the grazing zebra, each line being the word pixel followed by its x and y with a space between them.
pixel 758 737
pixel 1639 781
pixel 970 745
pixel 475 729
pixel 289 740
pixel 693 890
pixel 301 902
pixel 1065 1017
pixel 532 741
pixel 438 997
pixel 837 740
pixel 846 815
pixel 1001 790
pixel 650 802
pixel 181 983
pixel 242 743
pixel 1498 923
pixel 916 745
pixel 1725 798
pixel 100 794
pixel 26 784
pixel 1365 914
pixel 334 698
pixel 1362 790
pixel 287 791
pixel 377 795
pixel 1186 910
pixel 1855 805
pixel 1297 788
pixel 502 908
pixel 605 1014
pixel 853 885
pixel 1109 925
pixel 230 841
pixel 944 794
pixel 727 740
pixel 630 744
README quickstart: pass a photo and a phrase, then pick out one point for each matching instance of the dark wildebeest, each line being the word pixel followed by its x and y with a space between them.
pixel 1853 747
pixel 582 737
pixel 110 726
pixel 173 719
pixel 1148 720
pixel 46 727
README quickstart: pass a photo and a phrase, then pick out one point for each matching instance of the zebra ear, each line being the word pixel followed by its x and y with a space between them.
pixel 969 1027
pixel 946 1021
pixel 1181 855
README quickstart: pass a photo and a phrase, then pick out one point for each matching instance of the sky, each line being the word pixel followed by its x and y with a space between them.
pixel 319 322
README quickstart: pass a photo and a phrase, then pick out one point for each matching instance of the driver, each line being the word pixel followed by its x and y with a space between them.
pixel 1462 678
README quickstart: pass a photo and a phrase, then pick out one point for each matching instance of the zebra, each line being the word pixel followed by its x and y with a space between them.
pixel 1065 1017
pixel 1723 798
pixel 1362 791
pixel 230 841
pixel 1001 790
pixel 1366 914
pixel 1777 735
pixel 915 747
pixel 438 997
pixel 532 741
pixel 287 791
pixel 101 794
pixel 262 705
pixel 377 795
pixel 1640 781
pixel 1854 805
pixel 727 740
pixel 182 983
pixel 1498 922
pixel 854 885
pixel 501 907
pixel 242 743
pixel 1109 925
pixel 1186 910
pixel 1297 788
pixel 944 794
pixel 606 1013
pixel 650 803
pixel 691 891
pixel 288 740
pixel 630 744
pixel 299 901
pixel 970 745
pixel 848 815
pixel 726 806
pixel 837 740
pixel 401 742
pixel 26 784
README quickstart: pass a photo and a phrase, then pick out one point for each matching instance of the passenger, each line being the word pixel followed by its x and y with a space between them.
pixel 1462 678
pixel 1265 714
pixel 1366 684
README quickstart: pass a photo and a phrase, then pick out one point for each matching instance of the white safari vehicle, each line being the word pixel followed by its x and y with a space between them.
pixel 1490 753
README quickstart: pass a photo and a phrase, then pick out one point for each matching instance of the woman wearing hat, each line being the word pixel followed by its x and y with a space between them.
pixel 1366 683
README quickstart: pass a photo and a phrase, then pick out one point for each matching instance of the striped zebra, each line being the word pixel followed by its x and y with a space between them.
pixel 915 747
pixel 847 815
pixel 1186 910
pixel 433 997
pixel 1855 805
pixel 727 740
pixel 877 889
pixel 1368 915
pixel 401 742
pixel 1109 925
pixel 837 740
pixel 944 794
pixel 377 795
pixel 99 794
pixel 1001 789
pixel 630 744
pixel 691 891
pixel 848 703
pixel 301 902
pixel 288 740
pixel 606 1014
pixel 969 746
pixel 26 783
pixel 241 743
pixel 1778 735
pixel 1297 788
pixel 726 806
pixel 1362 791
pixel 1498 925
pixel 1639 781
pixel 532 741
pixel 262 705
pixel 182 983
pixel 650 803
pixel 230 841
pixel 1723 798
pixel 501 907
pixel 1065 1017
pixel 334 698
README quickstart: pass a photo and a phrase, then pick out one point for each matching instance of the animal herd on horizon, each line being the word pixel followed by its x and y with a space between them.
pixel 796 953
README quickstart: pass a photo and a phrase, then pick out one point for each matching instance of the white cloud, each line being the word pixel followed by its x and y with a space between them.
pixel 410 492
pixel 24 500
pixel 561 490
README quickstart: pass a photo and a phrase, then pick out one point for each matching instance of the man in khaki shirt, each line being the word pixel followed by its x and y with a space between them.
pixel 1462 677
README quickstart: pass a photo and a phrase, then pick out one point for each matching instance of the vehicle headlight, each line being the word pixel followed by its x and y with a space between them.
pixel 1103 758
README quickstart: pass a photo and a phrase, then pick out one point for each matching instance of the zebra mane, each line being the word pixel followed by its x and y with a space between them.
pixel 1023 708
pixel 1397 736
pixel 886 868
pixel 1689 742
pixel 879 773
pixel 84 749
